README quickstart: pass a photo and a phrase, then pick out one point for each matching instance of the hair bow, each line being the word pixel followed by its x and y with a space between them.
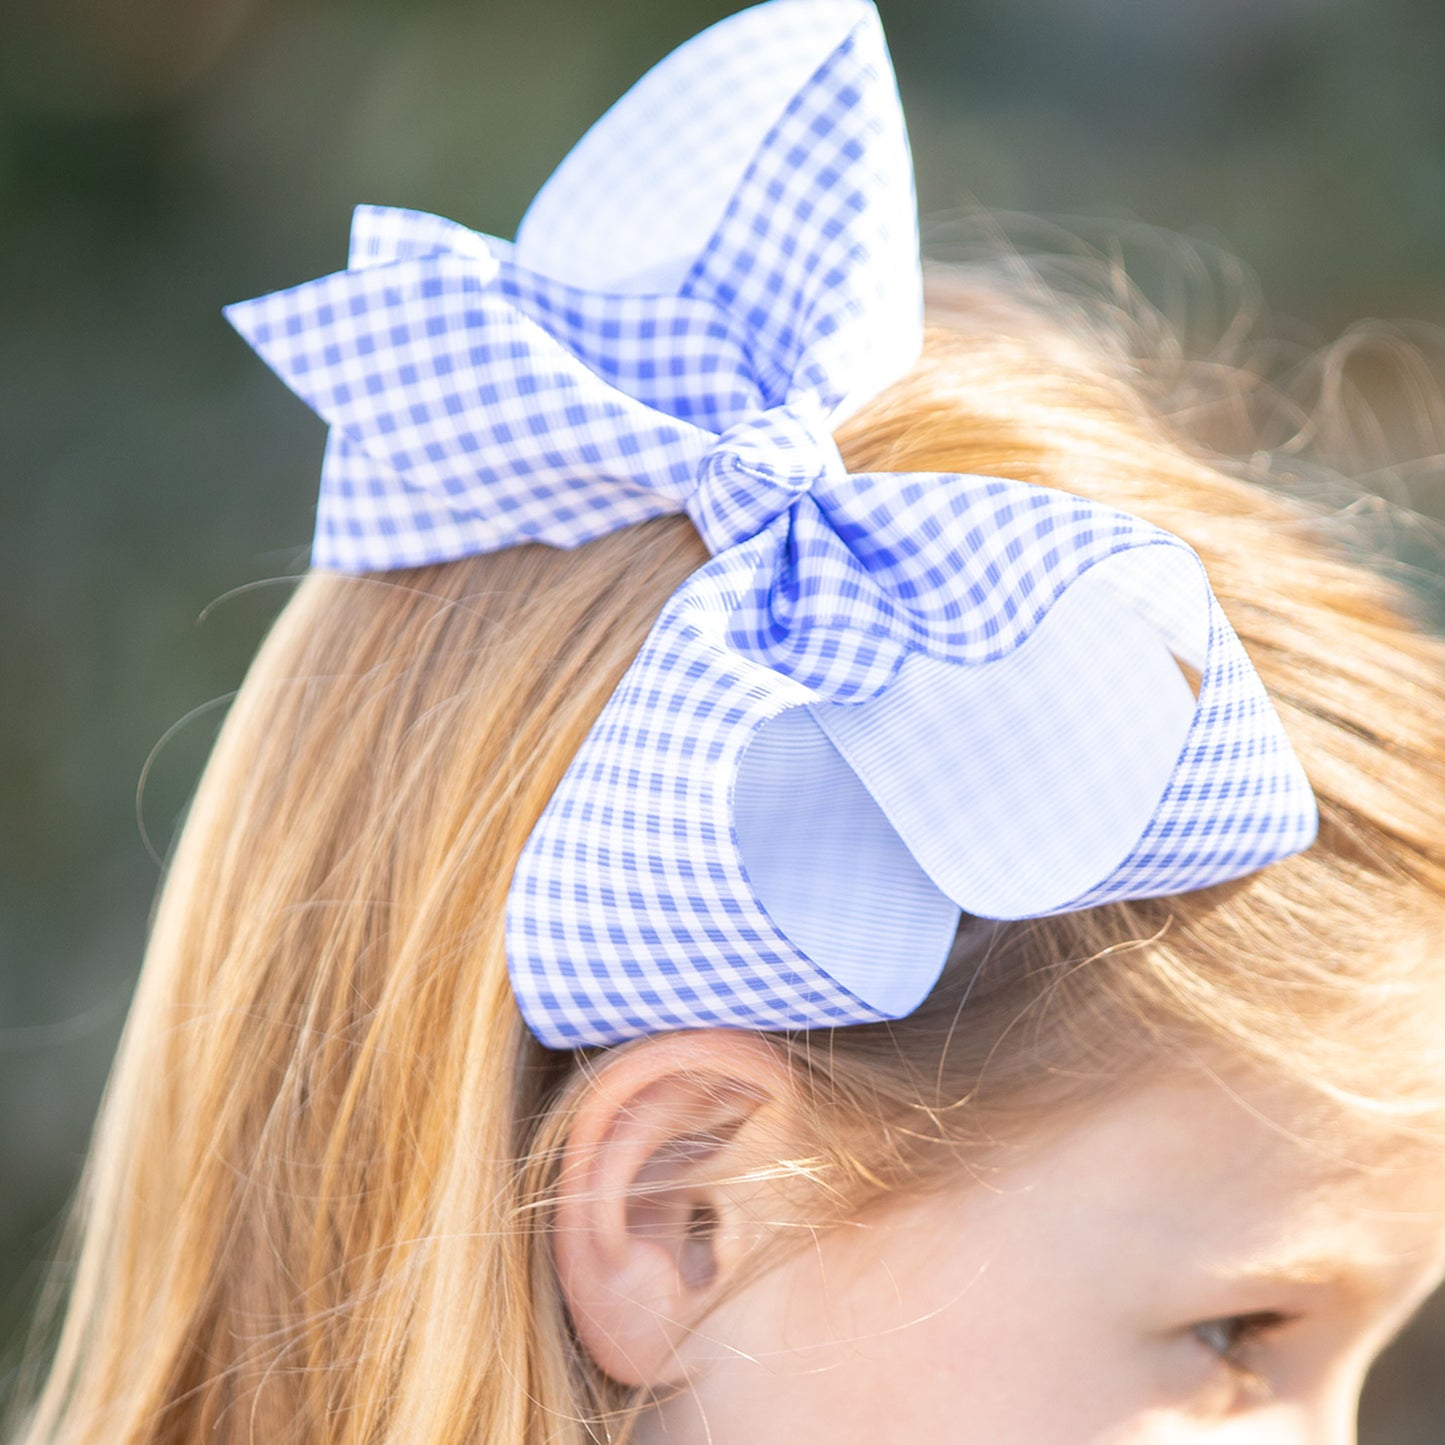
pixel 887 698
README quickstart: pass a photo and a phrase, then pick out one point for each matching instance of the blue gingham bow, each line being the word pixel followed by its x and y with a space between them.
pixel 887 698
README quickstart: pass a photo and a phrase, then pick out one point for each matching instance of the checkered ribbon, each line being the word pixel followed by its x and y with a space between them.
pixel 887 698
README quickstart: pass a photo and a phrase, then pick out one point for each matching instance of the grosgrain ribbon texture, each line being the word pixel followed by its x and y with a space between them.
pixel 887 698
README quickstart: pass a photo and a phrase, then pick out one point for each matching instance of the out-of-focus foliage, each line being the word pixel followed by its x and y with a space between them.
pixel 159 158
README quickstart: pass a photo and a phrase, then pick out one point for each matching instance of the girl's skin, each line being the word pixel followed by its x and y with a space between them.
pixel 1170 1269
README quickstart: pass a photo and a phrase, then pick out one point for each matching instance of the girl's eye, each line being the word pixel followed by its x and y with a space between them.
pixel 1230 1337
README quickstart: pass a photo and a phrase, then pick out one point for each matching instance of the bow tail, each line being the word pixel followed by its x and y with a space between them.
pixel 436 383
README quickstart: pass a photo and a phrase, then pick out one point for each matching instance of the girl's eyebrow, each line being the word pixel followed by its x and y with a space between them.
pixel 1291 1267
pixel 1356 1272
pixel 1333 1258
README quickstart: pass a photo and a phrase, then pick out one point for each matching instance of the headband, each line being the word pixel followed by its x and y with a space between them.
pixel 887 698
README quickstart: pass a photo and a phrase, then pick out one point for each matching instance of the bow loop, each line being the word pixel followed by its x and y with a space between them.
pixel 757 470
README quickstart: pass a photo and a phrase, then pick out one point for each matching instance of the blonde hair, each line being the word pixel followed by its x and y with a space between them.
pixel 316 1203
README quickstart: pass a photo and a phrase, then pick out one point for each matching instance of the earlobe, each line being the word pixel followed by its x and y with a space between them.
pixel 658 1191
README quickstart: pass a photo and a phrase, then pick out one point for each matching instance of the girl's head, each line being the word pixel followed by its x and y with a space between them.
pixel 340 1193
pixel 1156 1170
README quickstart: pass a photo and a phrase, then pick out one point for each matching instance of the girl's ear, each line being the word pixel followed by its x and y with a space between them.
pixel 664 1187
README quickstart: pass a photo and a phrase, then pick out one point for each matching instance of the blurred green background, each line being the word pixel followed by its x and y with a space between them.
pixel 159 158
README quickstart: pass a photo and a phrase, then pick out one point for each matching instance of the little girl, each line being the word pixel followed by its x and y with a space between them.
pixel 786 875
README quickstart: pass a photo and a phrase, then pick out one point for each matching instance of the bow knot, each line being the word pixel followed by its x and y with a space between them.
pixel 758 468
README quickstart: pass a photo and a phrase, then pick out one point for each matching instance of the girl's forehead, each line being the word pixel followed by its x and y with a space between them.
pixel 1198 1174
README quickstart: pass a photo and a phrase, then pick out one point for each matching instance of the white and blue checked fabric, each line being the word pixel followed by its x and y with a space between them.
pixel 887 698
